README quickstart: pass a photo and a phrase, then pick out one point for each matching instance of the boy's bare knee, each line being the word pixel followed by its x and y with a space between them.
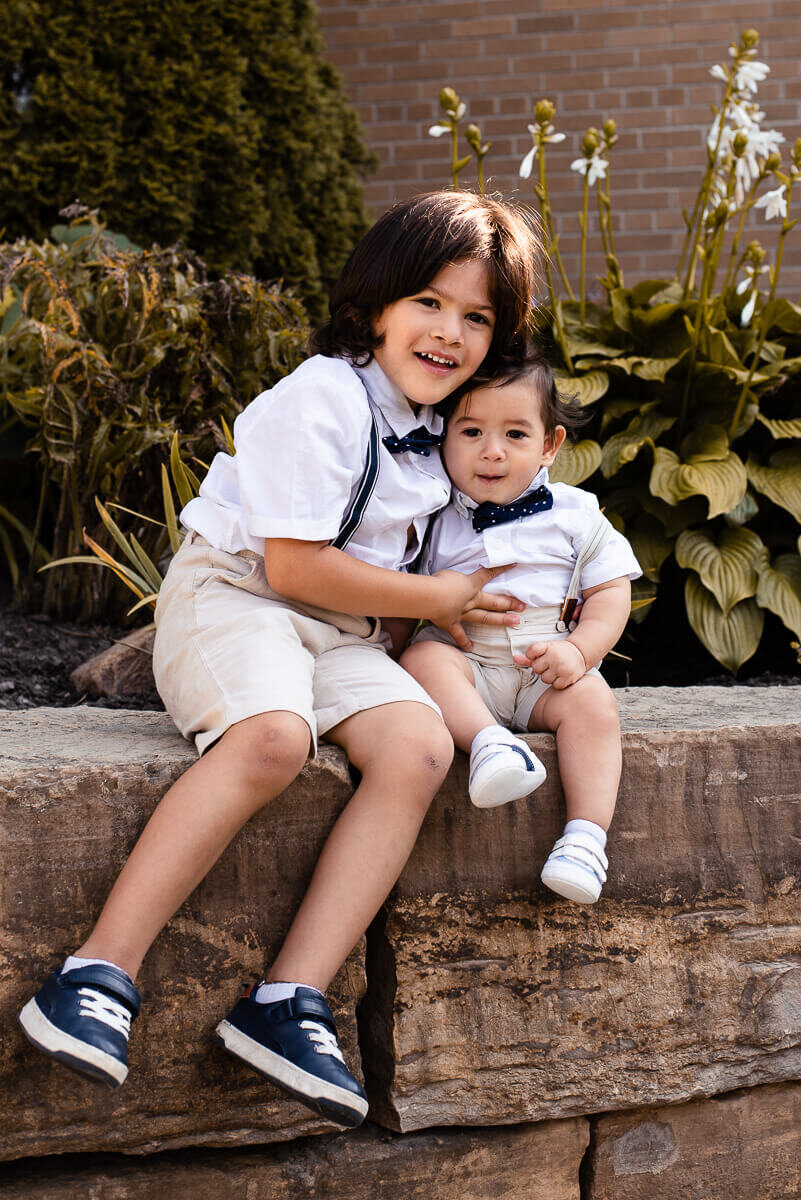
pixel 272 748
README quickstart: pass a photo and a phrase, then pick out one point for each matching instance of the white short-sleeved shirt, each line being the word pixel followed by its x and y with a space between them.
pixel 300 454
pixel 545 545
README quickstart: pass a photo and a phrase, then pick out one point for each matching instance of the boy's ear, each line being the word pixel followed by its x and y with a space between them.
pixel 553 442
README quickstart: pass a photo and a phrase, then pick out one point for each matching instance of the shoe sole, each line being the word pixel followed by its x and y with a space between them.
pixel 324 1098
pixel 571 889
pixel 79 1056
pixel 507 785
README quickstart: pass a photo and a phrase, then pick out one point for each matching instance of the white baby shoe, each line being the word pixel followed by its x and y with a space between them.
pixel 501 771
pixel 576 868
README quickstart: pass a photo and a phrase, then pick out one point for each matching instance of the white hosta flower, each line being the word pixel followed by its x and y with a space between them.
pixel 774 203
pixel 438 130
pixel 461 110
pixel 719 72
pixel 594 168
pixel 748 309
pixel 548 135
pixel 749 74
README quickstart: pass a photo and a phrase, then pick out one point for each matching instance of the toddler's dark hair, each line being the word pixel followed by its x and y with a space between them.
pixel 554 408
pixel 410 244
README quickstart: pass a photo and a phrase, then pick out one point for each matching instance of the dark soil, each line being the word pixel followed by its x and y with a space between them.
pixel 37 655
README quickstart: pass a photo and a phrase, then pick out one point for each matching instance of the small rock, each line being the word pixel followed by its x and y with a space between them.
pixel 125 669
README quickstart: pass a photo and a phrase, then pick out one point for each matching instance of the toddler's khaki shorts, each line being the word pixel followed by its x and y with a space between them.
pixel 510 692
pixel 228 648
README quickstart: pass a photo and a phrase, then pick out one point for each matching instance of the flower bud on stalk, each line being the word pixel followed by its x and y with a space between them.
pixel 749 39
pixel 448 99
pixel 773 161
pixel 755 253
pixel 473 137
pixel 590 142
pixel 544 112
pixel 739 143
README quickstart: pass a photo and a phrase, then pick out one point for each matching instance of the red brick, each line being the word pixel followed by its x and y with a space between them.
pixel 483 27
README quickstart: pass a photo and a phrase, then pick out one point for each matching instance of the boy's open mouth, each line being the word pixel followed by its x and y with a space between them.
pixel 437 361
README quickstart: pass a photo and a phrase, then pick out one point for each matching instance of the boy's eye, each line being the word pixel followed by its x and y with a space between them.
pixel 517 434
pixel 429 301
pixel 471 432
pixel 478 318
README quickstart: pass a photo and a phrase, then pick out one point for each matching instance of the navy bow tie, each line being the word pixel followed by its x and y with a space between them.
pixel 488 515
pixel 419 441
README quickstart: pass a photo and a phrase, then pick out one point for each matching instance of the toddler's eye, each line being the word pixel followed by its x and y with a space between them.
pixel 471 432
pixel 428 301
pixel 516 434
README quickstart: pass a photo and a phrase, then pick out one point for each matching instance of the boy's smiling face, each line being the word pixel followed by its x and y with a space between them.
pixel 496 442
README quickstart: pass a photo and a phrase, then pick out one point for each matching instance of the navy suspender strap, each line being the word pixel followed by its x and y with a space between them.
pixel 353 517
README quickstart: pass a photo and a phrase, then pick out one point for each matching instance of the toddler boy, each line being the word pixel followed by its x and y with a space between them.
pixel 541 674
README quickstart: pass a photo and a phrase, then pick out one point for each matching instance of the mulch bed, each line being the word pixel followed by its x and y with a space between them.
pixel 37 654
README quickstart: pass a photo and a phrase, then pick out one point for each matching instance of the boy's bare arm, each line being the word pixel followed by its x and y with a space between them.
pixel 601 621
pixel 400 630
pixel 317 573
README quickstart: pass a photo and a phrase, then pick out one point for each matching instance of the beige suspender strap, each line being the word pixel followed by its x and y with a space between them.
pixel 599 536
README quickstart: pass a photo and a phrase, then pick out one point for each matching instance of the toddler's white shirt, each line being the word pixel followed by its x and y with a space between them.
pixel 300 454
pixel 545 545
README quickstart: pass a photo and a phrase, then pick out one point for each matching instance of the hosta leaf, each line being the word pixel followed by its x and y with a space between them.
pixel 623 447
pixel 742 513
pixel 781 481
pixel 782 429
pixel 578 345
pixel 731 637
pixel 574 464
pixel 780 590
pixel 730 569
pixel 657 314
pixel 650 545
pixel 785 315
pixel 586 388
pixel 722 481
pixel 654 369
pixel 714 345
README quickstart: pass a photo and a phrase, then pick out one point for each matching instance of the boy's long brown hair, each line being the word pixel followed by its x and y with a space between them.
pixel 410 244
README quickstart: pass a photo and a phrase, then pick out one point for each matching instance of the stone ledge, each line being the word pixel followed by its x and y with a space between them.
pixel 490 1002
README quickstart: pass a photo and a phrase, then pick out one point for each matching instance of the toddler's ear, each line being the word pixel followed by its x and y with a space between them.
pixel 552 444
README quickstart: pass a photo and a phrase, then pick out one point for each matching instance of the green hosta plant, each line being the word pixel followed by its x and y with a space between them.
pixel 694 444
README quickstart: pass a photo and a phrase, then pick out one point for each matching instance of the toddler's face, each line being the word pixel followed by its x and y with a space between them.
pixel 438 338
pixel 496 442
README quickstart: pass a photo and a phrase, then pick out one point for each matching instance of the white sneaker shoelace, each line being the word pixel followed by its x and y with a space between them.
pixel 100 1007
pixel 325 1041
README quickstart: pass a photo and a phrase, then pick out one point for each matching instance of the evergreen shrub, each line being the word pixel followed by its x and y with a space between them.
pixel 216 125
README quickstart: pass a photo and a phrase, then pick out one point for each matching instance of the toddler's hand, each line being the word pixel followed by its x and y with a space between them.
pixel 558 662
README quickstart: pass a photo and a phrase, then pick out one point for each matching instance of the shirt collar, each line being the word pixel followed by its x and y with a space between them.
pixel 394 406
pixel 465 504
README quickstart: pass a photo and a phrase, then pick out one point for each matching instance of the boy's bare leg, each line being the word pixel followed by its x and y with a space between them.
pixel 446 675
pixel 403 752
pixel 585 720
pixel 193 823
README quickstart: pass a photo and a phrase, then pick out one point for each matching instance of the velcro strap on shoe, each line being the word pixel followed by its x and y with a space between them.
pixel 583 848
pixel 106 979
pixel 305 1003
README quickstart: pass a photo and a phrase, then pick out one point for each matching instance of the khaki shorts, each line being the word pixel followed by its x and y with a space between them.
pixel 228 648
pixel 510 692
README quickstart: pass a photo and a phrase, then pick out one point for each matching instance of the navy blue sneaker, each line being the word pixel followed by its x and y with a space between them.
pixel 293 1043
pixel 82 1018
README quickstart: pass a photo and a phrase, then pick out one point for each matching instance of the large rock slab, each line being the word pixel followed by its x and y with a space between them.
pixel 76 787
pixel 491 1000
pixel 744 1146
pixel 518 1163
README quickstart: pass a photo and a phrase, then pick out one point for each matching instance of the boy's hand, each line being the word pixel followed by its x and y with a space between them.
pixel 558 663
pixel 464 600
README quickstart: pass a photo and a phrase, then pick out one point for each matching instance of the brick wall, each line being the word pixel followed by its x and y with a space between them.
pixel 647 65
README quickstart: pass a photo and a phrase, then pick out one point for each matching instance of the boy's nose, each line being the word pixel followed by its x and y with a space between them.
pixel 493 448
pixel 449 328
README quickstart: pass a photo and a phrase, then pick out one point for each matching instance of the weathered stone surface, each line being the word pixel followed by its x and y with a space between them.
pixel 527 1162
pixel 745 1146
pixel 76 787
pixel 124 669
pixel 492 1001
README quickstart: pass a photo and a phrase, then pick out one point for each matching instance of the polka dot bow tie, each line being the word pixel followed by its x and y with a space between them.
pixel 419 441
pixel 487 515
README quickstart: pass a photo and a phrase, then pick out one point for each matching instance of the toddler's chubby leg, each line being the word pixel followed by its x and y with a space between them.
pixel 502 767
pixel 585 720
